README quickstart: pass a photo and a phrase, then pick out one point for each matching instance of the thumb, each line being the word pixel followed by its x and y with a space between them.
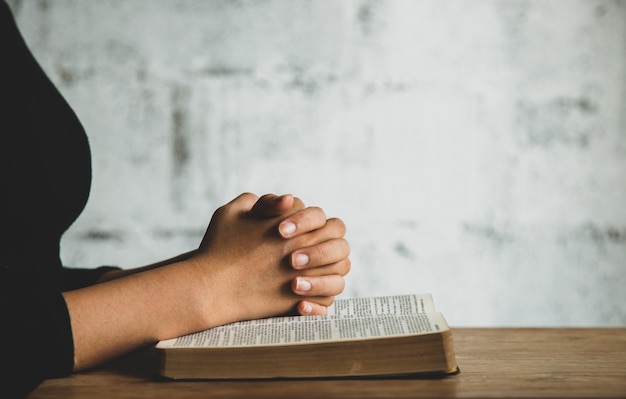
pixel 271 205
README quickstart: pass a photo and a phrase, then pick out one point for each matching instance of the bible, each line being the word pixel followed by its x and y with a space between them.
pixel 399 335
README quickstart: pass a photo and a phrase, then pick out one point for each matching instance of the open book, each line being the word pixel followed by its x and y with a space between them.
pixel 381 336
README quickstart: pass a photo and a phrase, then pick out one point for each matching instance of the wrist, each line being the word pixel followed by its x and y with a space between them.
pixel 209 291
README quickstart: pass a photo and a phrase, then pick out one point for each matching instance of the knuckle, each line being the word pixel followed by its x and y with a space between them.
pixel 320 285
pixel 345 246
pixel 346 266
pixel 319 254
pixel 338 225
pixel 342 285
pixel 249 196
pixel 319 211
pixel 298 203
pixel 314 216
pixel 329 300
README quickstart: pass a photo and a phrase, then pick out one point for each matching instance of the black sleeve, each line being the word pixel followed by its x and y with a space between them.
pixel 36 332
pixel 79 278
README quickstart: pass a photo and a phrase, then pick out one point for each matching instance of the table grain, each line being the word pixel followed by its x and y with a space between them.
pixel 494 363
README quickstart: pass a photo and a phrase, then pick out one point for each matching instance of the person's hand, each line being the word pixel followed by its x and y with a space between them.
pixel 252 261
pixel 333 252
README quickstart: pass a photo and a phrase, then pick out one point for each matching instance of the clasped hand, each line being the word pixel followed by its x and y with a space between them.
pixel 272 255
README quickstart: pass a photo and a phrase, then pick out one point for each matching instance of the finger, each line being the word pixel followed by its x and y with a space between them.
pixel 333 229
pixel 316 286
pixel 326 253
pixel 271 205
pixel 303 221
pixel 298 203
pixel 240 204
pixel 341 268
pixel 306 308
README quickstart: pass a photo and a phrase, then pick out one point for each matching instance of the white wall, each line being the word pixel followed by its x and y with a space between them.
pixel 476 150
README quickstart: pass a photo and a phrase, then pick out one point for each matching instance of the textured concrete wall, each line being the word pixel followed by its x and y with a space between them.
pixel 476 150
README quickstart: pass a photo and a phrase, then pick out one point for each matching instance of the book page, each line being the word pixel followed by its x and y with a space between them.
pixel 385 305
pixel 309 329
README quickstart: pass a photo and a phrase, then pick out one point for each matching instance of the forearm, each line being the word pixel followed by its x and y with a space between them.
pixel 125 314
pixel 114 274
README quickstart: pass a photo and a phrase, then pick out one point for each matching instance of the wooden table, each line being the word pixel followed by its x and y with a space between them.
pixel 494 362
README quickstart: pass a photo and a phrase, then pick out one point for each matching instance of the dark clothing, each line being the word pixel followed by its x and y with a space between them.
pixel 45 176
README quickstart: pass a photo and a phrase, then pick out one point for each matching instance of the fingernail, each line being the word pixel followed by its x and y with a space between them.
pixel 303 285
pixel 300 260
pixel 307 308
pixel 287 228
